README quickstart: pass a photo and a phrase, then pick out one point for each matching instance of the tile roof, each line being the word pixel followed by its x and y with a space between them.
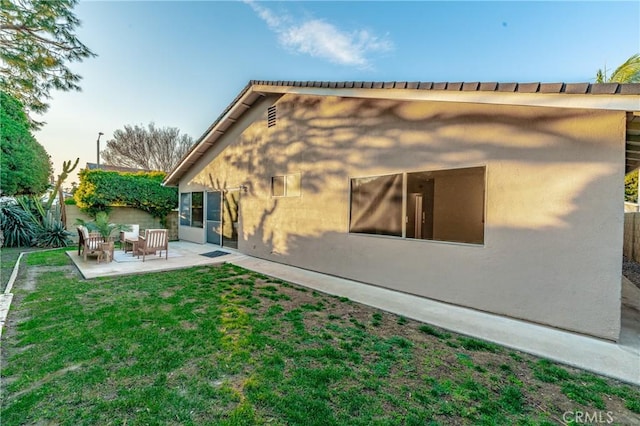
pixel 568 88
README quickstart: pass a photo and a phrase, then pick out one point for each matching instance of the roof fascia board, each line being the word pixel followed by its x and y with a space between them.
pixel 555 100
pixel 240 103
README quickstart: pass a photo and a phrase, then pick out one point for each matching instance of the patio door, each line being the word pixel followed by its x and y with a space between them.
pixel 231 201
pixel 214 221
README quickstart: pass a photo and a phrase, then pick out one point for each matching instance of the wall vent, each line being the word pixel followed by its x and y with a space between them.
pixel 271 116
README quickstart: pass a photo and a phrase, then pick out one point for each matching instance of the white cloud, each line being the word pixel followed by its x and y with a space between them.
pixel 321 39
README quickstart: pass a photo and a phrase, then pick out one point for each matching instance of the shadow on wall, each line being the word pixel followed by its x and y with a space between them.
pixel 535 176
pixel 548 171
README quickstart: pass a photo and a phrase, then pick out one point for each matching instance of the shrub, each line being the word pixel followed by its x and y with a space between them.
pixel 102 225
pixel 17 227
pixel 101 189
pixel 24 163
pixel 51 234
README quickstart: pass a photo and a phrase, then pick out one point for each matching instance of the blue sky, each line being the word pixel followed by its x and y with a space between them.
pixel 179 64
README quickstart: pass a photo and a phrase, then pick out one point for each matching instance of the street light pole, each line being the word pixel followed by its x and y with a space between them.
pixel 98 146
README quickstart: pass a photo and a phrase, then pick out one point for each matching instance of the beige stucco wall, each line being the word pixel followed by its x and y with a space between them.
pixel 553 225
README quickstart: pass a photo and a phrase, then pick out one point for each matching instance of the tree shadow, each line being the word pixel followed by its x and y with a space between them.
pixel 548 169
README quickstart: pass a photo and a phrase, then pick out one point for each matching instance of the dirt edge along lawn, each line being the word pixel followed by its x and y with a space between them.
pixel 223 345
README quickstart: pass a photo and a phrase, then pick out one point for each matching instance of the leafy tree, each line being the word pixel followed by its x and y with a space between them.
pixel 37 40
pixel 24 165
pixel 631 187
pixel 628 72
pixel 147 148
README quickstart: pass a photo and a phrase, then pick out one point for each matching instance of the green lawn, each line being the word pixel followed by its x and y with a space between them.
pixel 8 258
pixel 222 345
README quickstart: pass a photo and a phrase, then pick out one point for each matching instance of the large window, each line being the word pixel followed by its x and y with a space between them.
pixel 191 209
pixel 443 205
pixel 286 185
pixel 376 205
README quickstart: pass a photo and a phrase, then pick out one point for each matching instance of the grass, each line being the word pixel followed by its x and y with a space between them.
pixel 222 345
pixel 8 258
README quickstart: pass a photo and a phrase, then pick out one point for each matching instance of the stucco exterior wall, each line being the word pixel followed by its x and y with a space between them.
pixel 553 224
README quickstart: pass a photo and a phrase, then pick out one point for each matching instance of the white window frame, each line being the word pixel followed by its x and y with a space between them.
pixel 286 179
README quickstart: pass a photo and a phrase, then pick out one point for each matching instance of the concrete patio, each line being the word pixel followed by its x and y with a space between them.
pixel 181 255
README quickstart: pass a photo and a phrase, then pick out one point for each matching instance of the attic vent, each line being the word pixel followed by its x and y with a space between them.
pixel 271 116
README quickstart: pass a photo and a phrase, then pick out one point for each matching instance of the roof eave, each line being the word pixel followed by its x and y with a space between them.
pixel 560 95
pixel 208 137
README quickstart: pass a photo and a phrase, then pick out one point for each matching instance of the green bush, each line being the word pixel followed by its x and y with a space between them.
pixel 70 201
pixel 17 227
pixel 51 234
pixel 101 189
pixel 24 163
pixel 631 187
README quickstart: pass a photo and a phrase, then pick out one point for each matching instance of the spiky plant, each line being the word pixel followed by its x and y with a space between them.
pixel 102 225
pixel 17 227
pixel 51 233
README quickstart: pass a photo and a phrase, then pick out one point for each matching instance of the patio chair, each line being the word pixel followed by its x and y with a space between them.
pixel 153 241
pixel 89 244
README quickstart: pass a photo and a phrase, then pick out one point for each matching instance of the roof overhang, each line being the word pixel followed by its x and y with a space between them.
pixel 608 96
pixel 243 102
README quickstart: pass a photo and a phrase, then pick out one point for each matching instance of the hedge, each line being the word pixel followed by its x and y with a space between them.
pixel 101 189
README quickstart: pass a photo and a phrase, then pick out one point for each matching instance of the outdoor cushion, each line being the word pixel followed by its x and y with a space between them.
pixel 85 232
pixel 133 233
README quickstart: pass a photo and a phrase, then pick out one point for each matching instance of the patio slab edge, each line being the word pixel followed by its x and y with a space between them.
pixel 113 269
pixel 605 358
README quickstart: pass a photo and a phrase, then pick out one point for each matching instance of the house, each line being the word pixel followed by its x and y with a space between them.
pixel 505 198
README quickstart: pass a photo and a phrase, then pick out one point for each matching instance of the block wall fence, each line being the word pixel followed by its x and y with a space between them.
pixel 125 216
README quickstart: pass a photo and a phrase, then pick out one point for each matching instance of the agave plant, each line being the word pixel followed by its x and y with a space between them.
pixel 51 233
pixel 17 227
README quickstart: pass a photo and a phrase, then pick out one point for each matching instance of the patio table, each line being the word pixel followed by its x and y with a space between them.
pixel 133 241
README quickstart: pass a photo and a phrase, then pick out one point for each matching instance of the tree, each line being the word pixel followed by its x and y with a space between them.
pixel 628 72
pixel 151 149
pixel 37 40
pixel 24 166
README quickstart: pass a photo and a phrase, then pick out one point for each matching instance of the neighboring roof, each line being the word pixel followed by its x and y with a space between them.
pixel 612 96
pixel 107 167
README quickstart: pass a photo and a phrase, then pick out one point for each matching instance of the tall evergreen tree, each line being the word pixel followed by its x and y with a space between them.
pixel 24 165
pixel 37 41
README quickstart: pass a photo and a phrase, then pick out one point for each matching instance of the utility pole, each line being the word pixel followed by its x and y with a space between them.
pixel 98 146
